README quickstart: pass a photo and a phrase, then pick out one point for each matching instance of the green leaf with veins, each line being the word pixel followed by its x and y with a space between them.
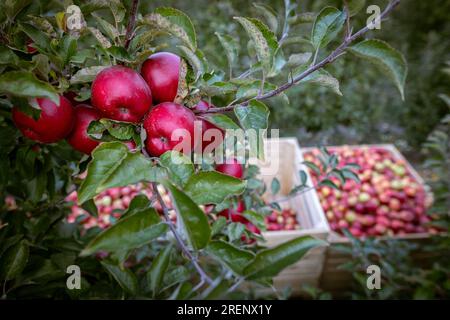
pixel 179 165
pixel 14 261
pixel 270 262
pixel 326 27
pixel 25 84
pixel 264 40
pixel 124 277
pixel 212 187
pixel 388 59
pixel 174 22
pixel 220 120
pixel 113 165
pixel 324 79
pixel 269 15
pixel 231 256
pixel 128 233
pixel 86 75
pixel 194 220
pixel 230 46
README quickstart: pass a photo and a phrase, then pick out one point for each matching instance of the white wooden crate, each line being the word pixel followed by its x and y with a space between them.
pixel 336 280
pixel 309 212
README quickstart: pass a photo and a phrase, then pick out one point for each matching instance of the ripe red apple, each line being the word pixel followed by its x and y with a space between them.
pixel 78 137
pixel 231 167
pixel 235 214
pixel 120 93
pixel 163 121
pixel 54 122
pixel 161 71
pixel 212 135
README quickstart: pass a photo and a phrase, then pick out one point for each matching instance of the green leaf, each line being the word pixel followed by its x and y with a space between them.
pixel 232 257
pixel 252 88
pixel 325 79
pixel 235 231
pixel 348 174
pixel 254 116
pixel 113 165
pixel 220 120
pixel 194 220
pixel 275 186
pixel 327 25
pixel 329 183
pixel 106 27
pixel 270 262
pixel 119 53
pixel 231 47
pixel 14 261
pixel 86 75
pixel 196 59
pixel 40 39
pixel 128 233
pixel 298 59
pixel 7 56
pixel 305 17
pixel 388 59
pixel 313 167
pixel 256 218
pixel 159 268
pixel 263 38
pixel 212 187
pixel 269 14
pixel 120 130
pixel 218 225
pixel 179 165
pixel 90 207
pixel 14 7
pixel 176 23
pixel 25 84
pixel 124 277
pixel 354 6
pixel 102 40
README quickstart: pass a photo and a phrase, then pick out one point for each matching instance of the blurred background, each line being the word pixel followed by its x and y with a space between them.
pixel 370 110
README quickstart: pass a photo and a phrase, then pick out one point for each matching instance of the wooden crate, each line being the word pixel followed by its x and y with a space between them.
pixel 310 215
pixel 337 281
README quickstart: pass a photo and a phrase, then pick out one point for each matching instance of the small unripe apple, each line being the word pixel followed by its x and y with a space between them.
pixel 54 123
pixel 78 137
pixel 120 93
pixel 161 71
pixel 167 125
pixel 231 167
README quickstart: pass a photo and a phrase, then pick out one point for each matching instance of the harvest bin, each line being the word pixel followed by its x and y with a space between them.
pixel 308 211
pixel 337 281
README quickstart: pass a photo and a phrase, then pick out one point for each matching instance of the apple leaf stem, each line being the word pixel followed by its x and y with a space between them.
pixel 339 51
pixel 181 244
pixel 131 23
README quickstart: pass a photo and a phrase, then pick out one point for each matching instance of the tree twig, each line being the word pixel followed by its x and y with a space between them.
pixel 181 244
pixel 131 23
pixel 330 58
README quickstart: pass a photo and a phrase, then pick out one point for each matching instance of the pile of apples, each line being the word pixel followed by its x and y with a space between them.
pixel 284 220
pixel 388 201
pixel 149 97
pixel 111 204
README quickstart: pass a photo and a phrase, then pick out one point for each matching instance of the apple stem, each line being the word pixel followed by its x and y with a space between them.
pixel 181 244
pixel 339 51
pixel 131 23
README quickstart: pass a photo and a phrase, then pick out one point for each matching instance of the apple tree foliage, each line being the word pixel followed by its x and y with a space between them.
pixel 144 255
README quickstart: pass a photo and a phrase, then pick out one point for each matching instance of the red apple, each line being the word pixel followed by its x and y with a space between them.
pixel 235 214
pixel 54 123
pixel 231 167
pixel 78 137
pixel 120 93
pixel 161 71
pixel 169 125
